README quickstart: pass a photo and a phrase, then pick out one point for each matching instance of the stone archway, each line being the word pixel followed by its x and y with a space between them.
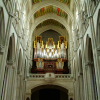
pixel 49 91
pixel 90 71
pixel 34 84
pixel 9 69
pixel 2 28
pixel 98 37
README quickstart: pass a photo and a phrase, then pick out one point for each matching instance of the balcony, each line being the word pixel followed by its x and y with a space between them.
pixel 57 76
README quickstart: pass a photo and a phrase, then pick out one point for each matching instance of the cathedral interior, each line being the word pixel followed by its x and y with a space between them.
pixel 49 49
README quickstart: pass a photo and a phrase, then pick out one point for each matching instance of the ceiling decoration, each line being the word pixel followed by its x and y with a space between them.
pixel 36 1
pixel 50 22
pixel 63 1
pixel 50 9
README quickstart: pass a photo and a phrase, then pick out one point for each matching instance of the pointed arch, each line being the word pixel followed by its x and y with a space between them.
pixel 38 6
pixel 49 16
pixel 48 27
pixel 11 48
pixel 98 30
pixel 2 27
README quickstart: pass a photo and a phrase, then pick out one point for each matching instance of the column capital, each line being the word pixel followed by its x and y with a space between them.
pixel 13 67
pixel 88 64
pixel 75 50
pixel 98 50
pixel 20 74
pixel 1 49
pixel 81 37
pixel 10 62
pixel 90 16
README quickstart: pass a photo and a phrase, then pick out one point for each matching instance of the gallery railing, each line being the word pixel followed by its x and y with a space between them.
pixel 57 76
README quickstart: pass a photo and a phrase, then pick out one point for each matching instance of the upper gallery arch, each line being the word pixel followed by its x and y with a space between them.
pixel 46 17
pixel 50 9
pixel 50 22
pixel 55 3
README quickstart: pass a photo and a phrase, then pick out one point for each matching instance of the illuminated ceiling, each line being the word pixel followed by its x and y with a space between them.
pixel 50 22
pixel 63 1
pixel 50 9
pixel 51 14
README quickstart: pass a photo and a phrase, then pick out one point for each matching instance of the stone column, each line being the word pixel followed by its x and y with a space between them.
pixel 7 81
pixel 3 63
pixel 74 83
pixel 10 78
pixel 77 87
pixel 85 84
pixel 81 86
pixel 93 40
pixel 18 88
pixel 83 89
pixel 21 86
pixel 13 84
pixel 24 89
pixel 90 81
pixel 1 49
pixel 75 39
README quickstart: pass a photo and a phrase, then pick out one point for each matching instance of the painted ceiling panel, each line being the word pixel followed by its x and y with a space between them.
pixel 63 1
pixel 50 22
pixel 50 9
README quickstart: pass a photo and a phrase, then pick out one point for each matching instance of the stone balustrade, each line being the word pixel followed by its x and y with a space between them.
pixel 37 75
pixel 66 76
pixel 57 76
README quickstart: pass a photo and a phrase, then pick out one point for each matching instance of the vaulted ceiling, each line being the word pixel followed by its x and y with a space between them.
pixel 42 15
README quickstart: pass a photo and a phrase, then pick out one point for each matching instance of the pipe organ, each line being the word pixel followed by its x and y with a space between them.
pixel 50 57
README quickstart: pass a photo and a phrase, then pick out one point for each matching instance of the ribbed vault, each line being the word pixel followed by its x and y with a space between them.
pixel 40 5
pixel 49 16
